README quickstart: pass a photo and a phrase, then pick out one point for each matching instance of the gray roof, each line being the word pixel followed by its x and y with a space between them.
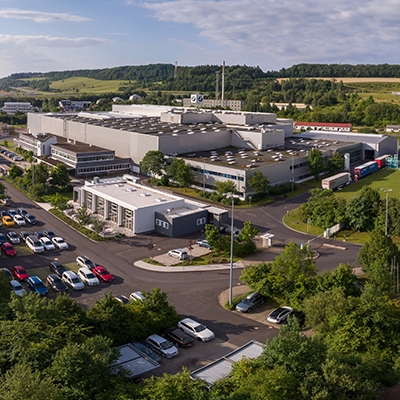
pixel 133 361
pixel 344 136
pixel 222 367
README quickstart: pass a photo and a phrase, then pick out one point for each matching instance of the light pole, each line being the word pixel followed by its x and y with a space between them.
pixel 292 171
pixel 387 206
pixel 231 258
pixel 204 175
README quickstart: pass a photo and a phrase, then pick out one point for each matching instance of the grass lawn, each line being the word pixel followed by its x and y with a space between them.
pixel 87 85
pixel 386 179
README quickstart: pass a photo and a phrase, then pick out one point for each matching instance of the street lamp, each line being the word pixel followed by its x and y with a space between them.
pixel 292 171
pixel 387 204
pixel 231 258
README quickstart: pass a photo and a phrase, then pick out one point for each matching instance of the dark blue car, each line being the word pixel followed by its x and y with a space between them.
pixel 36 284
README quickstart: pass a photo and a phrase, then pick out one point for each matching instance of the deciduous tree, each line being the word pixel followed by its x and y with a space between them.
pixel 153 163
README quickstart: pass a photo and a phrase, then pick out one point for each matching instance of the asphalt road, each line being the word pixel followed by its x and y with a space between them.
pixel 194 294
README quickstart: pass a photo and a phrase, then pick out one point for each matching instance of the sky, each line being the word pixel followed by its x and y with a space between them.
pixel 51 35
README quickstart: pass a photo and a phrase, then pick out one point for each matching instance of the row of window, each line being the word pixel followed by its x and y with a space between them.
pixel 103 168
pixel 63 154
pixel 215 173
pixel 96 158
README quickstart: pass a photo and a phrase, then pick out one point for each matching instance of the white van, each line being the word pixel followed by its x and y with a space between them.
pixel 34 244
pixel 179 254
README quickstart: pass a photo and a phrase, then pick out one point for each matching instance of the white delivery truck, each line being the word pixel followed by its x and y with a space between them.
pixel 336 181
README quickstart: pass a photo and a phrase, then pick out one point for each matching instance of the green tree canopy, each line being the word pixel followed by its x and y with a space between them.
pixel 59 176
pixel 316 162
pixel 181 172
pixel 259 183
pixel 153 163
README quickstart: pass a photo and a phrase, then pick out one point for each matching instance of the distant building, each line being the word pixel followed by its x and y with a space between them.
pixel 135 97
pixel 12 107
pixel 298 106
pixel 72 105
pixel 234 105
pixel 323 126
pixel 393 128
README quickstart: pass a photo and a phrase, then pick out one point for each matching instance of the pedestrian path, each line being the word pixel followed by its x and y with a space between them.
pixel 187 268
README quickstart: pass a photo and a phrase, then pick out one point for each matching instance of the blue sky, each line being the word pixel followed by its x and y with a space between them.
pixel 44 35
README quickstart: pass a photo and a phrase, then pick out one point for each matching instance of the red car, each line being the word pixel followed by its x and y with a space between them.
pixel 8 249
pixel 103 274
pixel 20 273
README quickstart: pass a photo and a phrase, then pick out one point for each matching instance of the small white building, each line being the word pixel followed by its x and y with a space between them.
pixel 12 107
pixel 140 208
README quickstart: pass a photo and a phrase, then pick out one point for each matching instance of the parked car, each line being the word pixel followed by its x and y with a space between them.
pixel 196 330
pixel 122 299
pixel 30 219
pixel 57 268
pixel 88 277
pixel 7 221
pixel 13 237
pixel 4 213
pixel 20 221
pixel 280 314
pixel 178 337
pixel 20 273
pixel 252 301
pixel 60 243
pixel 49 233
pixel 162 346
pixel 203 243
pixel 72 280
pixel 17 288
pixel 137 296
pixel 8 249
pixel 146 350
pixel 47 243
pixel 3 239
pixel 34 244
pixel 37 234
pixel 12 213
pixel 6 202
pixel 23 235
pixel 103 274
pixel 6 272
pixel 36 284
pixel 84 261
pixel 55 282
pixel 22 212
pixel 179 254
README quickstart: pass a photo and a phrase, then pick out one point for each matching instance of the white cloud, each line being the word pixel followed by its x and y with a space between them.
pixel 48 41
pixel 39 16
pixel 302 31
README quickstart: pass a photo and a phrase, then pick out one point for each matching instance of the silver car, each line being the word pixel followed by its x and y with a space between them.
pixel 162 346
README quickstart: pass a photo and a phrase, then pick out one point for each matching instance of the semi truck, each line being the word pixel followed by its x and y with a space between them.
pixel 336 181
pixel 381 161
pixel 365 169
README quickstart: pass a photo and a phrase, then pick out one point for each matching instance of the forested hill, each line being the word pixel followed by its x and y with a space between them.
pixel 200 78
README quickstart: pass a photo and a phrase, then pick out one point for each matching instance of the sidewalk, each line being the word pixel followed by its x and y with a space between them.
pixel 186 268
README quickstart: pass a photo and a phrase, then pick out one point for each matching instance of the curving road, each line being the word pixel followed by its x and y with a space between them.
pixel 193 294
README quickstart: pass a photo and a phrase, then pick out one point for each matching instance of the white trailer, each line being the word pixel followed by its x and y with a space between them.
pixel 336 181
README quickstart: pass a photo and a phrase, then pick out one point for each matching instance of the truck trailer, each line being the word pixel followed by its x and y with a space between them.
pixel 381 161
pixel 365 169
pixel 336 181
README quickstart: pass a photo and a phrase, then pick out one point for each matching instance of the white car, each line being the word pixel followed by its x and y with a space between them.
pixel 137 296
pixel 88 277
pixel 17 288
pixel 47 243
pixel 13 237
pixel 179 254
pixel 280 314
pixel 20 221
pixel 85 262
pixel 72 280
pixel 196 330
pixel 60 243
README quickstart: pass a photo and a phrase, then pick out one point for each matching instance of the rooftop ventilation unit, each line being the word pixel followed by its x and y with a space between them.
pixel 159 200
pixel 145 194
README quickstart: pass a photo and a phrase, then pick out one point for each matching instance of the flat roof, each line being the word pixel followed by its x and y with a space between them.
pixel 132 361
pixel 294 147
pixel 222 367
pixel 132 195
pixel 78 147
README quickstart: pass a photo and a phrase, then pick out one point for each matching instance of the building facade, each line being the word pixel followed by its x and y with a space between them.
pixel 12 107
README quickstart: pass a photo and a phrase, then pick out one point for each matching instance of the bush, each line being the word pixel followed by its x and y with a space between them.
pixel 215 196
pixel 282 189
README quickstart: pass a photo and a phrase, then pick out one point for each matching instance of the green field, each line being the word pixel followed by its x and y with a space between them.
pixel 86 85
